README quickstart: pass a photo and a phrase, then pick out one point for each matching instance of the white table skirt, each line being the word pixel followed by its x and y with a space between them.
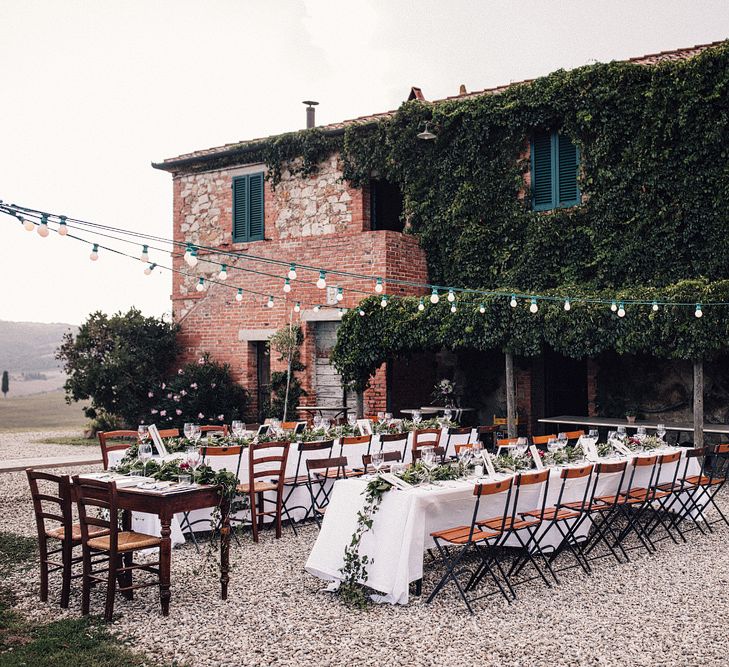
pixel 402 526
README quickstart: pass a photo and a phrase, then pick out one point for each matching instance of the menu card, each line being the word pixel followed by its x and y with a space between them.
pixel 620 447
pixel 488 463
pixel 364 426
pixel 157 440
pixel 395 481
pixel 536 456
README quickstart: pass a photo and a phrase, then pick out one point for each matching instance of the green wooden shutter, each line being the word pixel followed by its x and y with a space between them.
pixel 567 161
pixel 542 176
pixel 255 208
pixel 248 210
pixel 240 209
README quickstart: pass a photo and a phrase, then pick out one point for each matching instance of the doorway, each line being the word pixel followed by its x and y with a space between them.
pixel 565 385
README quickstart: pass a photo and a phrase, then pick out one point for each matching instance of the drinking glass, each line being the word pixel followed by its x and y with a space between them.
pixel 325 424
pixel 661 431
pixel 621 431
pixel 562 439
pixel 143 433
pixel 238 428
pixel 317 421
pixel 593 433
pixel 192 456
pixel 641 430
pixel 188 430
pixel 553 445
pixel 145 453
pixel 378 459
pixel 352 420
pixel 428 458
pixel 196 433
pixel 276 425
pixel 417 417
pixel 447 414
pixel 465 454
pixel 380 417
pixel 521 446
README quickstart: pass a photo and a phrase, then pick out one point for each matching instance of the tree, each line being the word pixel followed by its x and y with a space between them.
pixel 286 342
pixel 118 362
pixel 5 388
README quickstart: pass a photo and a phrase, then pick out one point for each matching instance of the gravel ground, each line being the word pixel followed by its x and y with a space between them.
pixel 666 609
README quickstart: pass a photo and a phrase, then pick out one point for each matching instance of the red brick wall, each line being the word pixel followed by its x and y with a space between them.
pixel 318 221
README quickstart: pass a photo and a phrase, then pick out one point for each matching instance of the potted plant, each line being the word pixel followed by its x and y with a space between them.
pixel 631 412
pixel 444 391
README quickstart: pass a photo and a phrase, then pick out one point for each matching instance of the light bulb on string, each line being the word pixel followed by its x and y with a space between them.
pixel 361 312
pixel 223 275
pixel 149 268
pixel 533 308
pixel 567 304
pixel 434 298
pixel 28 225
pixel 62 226
pixel 613 305
pixel 451 296
pixel 191 257
pixel 481 308
pixel 200 287
pixel 340 294
pixel 621 310
pixel 269 303
pixel 287 286
pixel 698 312
pixel 94 252
pixel 383 302
pixel 239 295
pixel 292 272
pixel 421 305
pixel 341 311
pixel 322 282
pixel 43 227
pixel 453 308
pixel 144 257
pixel 378 286
pixel 512 303
pixel 654 307
pixel 317 308
pixel 186 256
pixel 297 307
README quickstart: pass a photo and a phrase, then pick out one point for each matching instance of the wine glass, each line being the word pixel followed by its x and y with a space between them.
pixel 553 445
pixel 380 417
pixel 621 431
pixel 661 431
pixel 145 453
pixel 192 456
pixel 417 417
pixel 317 422
pixel 428 458
pixel 352 420
pixel 562 439
pixel 325 424
pixel 188 430
pixel 143 433
pixel 464 456
pixel 593 433
pixel 447 414
pixel 388 417
pixel 378 460
pixel 521 446
pixel 238 428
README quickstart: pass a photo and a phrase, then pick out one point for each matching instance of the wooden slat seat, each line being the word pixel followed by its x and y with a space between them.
pixel 645 494
pixel 593 507
pixel 511 523
pixel 553 513
pixel 258 487
pixel 299 479
pixel 128 540
pixel 620 498
pixel 459 535
pixel 703 480
pixel 58 532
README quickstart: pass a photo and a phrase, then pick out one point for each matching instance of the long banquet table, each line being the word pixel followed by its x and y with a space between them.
pixel 402 526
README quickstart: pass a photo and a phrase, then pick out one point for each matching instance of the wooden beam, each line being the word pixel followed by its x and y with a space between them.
pixel 698 403
pixel 510 396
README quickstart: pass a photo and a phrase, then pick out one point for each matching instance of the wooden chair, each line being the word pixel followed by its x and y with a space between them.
pixel 542 439
pixel 106 438
pixel 347 441
pixel 424 438
pixel 418 453
pixel 295 427
pixel 464 445
pixel 456 431
pixel 98 510
pixel 573 435
pixel 486 435
pixel 68 534
pixel 298 479
pixel 503 421
pixel 505 443
pixel 220 429
pixel 172 432
pixel 392 457
pixel 334 469
pixel 266 472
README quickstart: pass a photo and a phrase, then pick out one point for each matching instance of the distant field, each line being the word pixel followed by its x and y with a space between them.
pixel 40 412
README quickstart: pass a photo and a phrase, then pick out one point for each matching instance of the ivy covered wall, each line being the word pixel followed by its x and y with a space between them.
pixel 653 224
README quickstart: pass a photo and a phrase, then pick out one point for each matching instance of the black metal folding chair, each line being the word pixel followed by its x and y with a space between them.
pixel 389 441
pixel 456 431
pixel 333 469
pixel 476 537
pixel 322 447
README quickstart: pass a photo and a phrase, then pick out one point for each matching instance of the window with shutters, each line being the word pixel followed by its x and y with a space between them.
pixel 248 213
pixel 555 160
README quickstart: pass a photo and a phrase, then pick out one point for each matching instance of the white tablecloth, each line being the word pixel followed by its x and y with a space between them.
pixel 403 524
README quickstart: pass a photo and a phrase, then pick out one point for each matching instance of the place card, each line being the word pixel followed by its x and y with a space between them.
pixel 395 481
pixel 263 429
pixel 488 463
pixel 364 426
pixel 621 448
pixel 536 456
pixel 157 440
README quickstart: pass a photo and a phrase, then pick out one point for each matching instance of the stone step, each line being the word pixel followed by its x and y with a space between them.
pixel 15 465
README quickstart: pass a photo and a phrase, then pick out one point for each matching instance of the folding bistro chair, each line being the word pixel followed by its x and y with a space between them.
pixel 427 437
pixel 266 473
pixel 298 479
pixel 52 502
pixel 98 509
pixel 110 442
pixel 387 457
pixel 505 443
pixel 542 440
pixel 574 435
pixel 486 435
pixel 476 536
pixel 601 513
pixel 348 441
pixel 456 431
pixel 215 429
pixel 394 440
pixel 210 456
pixel 334 469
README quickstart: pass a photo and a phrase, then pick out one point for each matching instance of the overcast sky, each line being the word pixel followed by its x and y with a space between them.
pixel 94 91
